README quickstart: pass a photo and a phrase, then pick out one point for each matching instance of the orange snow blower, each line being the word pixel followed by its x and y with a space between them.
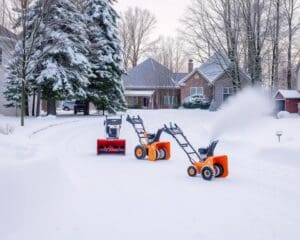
pixel 203 162
pixel 150 146
pixel 112 143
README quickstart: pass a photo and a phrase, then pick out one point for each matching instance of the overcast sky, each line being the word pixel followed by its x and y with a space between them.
pixel 167 12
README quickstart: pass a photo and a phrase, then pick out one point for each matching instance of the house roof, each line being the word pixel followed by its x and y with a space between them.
pixel 178 76
pixel 4 32
pixel 213 68
pixel 289 94
pixel 149 74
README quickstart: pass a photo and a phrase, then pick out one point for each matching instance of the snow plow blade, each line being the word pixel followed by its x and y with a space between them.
pixel 111 146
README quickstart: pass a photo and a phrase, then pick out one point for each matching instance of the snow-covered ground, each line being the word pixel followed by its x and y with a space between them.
pixel 54 187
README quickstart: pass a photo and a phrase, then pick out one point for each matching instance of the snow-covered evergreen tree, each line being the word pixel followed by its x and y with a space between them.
pixel 54 58
pixel 105 88
pixel 19 68
pixel 62 66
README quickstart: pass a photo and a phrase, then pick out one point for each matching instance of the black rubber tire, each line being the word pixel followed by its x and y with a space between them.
pixel 66 109
pixel 207 173
pixel 192 171
pixel 162 153
pixel 219 170
pixel 142 149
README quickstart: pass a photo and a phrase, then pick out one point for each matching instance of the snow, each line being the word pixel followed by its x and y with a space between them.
pixel 285 114
pixel 53 186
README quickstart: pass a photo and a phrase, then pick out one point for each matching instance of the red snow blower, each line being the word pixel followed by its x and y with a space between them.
pixel 112 143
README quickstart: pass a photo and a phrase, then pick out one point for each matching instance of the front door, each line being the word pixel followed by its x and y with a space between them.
pixel 280 105
pixel 145 102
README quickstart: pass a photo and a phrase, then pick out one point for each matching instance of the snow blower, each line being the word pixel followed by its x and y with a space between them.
pixel 150 146
pixel 203 162
pixel 112 143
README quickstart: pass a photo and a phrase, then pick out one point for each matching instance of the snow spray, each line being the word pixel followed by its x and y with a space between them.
pixel 240 111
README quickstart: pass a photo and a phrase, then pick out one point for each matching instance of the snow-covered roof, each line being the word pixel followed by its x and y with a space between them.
pixel 289 94
pixel 138 93
pixel 149 74
pixel 213 68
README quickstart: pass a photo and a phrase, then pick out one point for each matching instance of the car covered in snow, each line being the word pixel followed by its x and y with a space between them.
pixel 197 101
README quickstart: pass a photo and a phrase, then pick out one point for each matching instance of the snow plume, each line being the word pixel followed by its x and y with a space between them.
pixel 241 111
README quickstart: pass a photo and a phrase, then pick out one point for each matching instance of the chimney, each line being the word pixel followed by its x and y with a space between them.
pixel 191 65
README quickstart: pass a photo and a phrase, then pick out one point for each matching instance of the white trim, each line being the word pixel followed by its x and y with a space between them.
pixel 138 93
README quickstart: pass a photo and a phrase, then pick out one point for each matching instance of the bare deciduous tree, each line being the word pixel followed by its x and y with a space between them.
pixel 275 30
pixel 290 7
pixel 170 53
pixel 136 27
pixel 252 33
pixel 215 27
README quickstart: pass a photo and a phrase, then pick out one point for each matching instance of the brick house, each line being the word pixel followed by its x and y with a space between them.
pixel 7 45
pixel 288 100
pixel 151 85
pixel 211 80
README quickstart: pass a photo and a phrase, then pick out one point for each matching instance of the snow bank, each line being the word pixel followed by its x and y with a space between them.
pixel 285 114
pixel 245 109
pixel 6 129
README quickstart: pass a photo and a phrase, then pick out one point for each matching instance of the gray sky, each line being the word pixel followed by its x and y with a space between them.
pixel 167 12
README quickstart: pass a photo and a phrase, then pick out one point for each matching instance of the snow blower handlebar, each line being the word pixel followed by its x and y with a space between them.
pixel 143 135
pixel 176 132
pixel 113 120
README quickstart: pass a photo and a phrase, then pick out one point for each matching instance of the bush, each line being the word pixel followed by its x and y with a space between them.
pixel 136 106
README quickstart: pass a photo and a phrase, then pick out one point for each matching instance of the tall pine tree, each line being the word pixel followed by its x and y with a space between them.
pixel 105 89
pixel 62 66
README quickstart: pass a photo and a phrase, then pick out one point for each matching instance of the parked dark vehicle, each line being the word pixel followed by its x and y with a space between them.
pixel 81 106
pixel 197 101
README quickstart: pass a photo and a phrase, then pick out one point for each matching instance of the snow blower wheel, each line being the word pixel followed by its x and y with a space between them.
pixel 192 171
pixel 161 153
pixel 140 152
pixel 219 170
pixel 150 147
pixel 207 173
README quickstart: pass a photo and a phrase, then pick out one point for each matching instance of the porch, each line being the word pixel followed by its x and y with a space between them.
pixel 140 98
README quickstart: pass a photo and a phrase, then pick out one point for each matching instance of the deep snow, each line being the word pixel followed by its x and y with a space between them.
pixel 53 186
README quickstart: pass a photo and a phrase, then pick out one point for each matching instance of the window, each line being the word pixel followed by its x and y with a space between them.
pixel 170 100
pixel 227 92
pixel 196 91
pixel 0 56
pixel 167 100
